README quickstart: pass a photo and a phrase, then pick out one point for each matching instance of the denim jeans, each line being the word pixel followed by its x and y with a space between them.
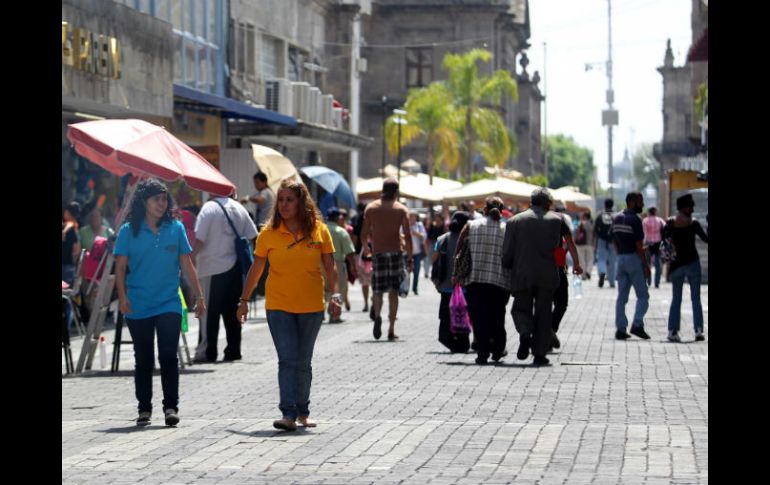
pixel 653 252
pixel 606 258
pixel 168 326
pixel 692 272
pixel 294 336
pixel 417 263
pixel 631 273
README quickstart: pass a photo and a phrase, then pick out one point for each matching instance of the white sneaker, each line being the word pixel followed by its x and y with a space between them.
pixel 674 337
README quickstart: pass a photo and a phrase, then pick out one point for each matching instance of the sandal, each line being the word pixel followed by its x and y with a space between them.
pixel 306 422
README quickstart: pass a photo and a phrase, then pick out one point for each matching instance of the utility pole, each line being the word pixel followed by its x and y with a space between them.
pixel 355 90
pixel 610 115
pixel 545 115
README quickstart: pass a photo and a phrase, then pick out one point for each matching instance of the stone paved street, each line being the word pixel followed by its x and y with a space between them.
pixel 605 412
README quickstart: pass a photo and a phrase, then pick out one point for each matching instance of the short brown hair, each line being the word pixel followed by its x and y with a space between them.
pixel 389 188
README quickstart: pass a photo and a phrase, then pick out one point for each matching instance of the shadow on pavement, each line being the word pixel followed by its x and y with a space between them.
pixel 128 373
pixel 271 433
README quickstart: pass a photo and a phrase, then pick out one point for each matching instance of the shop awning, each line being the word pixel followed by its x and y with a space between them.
pixel 230 108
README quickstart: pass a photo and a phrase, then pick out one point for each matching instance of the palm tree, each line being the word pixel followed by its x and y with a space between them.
pixel 429 114
pixel 483 129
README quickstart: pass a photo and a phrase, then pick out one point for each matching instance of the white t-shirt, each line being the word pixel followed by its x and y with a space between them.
pixel 417 228
pixel 211 227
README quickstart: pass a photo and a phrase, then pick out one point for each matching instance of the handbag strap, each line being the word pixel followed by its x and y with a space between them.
pixel 228 219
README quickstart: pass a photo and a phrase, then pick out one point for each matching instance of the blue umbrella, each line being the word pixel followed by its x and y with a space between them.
pixel 332 182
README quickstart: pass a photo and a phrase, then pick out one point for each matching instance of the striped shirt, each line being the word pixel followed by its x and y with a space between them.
pixel 626 231
pixel 485 239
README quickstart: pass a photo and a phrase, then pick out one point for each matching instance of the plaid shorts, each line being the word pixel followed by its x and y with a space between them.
pixel 388 272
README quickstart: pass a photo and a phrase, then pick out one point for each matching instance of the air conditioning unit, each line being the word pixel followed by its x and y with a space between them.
pixel 337 118
pixel 301 94
pixel 278 96
pixel 327 103
pixel 314 105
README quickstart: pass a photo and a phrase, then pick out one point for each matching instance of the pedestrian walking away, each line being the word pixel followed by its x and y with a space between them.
pixel 419 237
pixel 584 240
pixel 344 251
pixel 219 222
pixel 444 250
pixel 150 250
pixel 561 296
pixel 605 251
pixel 653 235
pixel 297 243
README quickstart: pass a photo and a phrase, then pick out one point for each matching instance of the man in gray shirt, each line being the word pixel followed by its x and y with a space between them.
pixel 528 250
pixel 263 200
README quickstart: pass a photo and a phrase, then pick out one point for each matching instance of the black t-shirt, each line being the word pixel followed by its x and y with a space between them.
pixel 684 242
pixel 434 232
pixel 66 246
pixel 358 224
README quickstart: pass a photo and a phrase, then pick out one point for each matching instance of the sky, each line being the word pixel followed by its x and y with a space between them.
pixel 575 32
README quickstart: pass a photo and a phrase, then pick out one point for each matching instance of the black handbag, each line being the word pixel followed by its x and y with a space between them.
pixel 243 251
pixel 462 269
pixel 438 270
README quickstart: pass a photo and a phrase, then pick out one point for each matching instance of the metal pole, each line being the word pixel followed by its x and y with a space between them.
pixel 384 121
pixel 610 96
pixel 545 116
pixel 355 104
pixel 399 151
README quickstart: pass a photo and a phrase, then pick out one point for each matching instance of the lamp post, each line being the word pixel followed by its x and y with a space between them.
pixel 400 120
pixel 384 122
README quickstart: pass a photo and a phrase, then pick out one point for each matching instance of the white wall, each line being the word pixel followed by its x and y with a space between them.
pixel 238 165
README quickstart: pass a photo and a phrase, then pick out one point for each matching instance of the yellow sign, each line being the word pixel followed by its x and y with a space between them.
pixel 91 52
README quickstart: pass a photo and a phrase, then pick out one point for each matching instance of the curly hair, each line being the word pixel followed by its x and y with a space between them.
pixel 146 189
pixel 307 212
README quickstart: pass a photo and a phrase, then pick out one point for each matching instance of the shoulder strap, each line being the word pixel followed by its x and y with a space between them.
pixel 228 218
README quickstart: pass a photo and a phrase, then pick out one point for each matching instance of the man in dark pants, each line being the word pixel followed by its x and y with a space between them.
pixel 528 250
pixel 561 296
pixel 220 275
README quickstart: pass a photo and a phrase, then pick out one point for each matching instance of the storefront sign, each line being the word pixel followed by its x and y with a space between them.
pixel 89 51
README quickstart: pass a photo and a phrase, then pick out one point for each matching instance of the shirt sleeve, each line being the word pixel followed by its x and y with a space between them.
pixel 347 245
pixel 249 229
pixel 202 223
pixel 184 244
pixel 638 232
pixel 327 246
pixel 262 244
pixel 123 241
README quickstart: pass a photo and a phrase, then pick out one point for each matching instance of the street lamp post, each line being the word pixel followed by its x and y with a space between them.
pixel 384 122
pixel 400 120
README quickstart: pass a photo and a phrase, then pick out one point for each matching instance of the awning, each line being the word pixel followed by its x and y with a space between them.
pixel 230 108
pixel 302 135
pixel 699 51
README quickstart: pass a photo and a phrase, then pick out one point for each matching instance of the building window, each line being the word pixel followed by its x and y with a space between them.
pixel 419 66
pixel 270 58
pixel 245 51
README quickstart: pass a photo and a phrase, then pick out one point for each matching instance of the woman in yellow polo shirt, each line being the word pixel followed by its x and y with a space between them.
pixel 296 242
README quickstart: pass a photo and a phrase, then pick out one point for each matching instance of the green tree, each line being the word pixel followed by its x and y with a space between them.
pixel 536 179
pixel 428 111
pixel 646 170
pixel 569 163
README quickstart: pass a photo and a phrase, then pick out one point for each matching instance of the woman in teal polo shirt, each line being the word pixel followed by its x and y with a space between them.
pixel 153 246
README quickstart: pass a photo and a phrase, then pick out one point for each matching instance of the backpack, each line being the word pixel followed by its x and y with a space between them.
pixel 667 248
pixel 604 225
pixel 439 269
pixel 243 250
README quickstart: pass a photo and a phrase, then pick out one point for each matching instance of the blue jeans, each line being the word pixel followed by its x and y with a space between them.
pixel 294 336
pixel 606 259
pixel 692 272
pixel 168 326
pixel 631 272
pixel 417 263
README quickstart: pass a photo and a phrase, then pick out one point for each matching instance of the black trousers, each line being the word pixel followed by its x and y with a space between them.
pixel 453 341
pixel 486 306
pixel 537 324
pixel 560 300
pixel 224 293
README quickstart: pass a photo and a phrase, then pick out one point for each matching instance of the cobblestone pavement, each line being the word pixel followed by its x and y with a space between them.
pixel 605 412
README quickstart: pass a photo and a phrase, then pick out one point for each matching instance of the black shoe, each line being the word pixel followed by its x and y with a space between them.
pixel 481 361
pixel 601 280
pixel 377 331
pixel 541 360
pixel 415 292
pixel 171 417
pixel 523 351
pixel 473 345
pixel 555 341
pixel 622 335
pixel 231 359
pixel 497 356
pixel 638 330
pixel 699 337
pixel 144 418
